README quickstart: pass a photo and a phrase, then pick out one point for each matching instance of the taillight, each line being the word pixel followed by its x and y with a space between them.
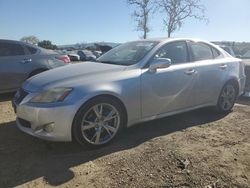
pixel 63 58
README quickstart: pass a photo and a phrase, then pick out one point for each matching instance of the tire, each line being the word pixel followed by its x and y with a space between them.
pixel 227 98
pixel 98 122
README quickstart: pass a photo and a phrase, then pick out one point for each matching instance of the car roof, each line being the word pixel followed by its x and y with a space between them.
pixel 43 50
pixel 20 42
pixel 165 39
pixel 14 41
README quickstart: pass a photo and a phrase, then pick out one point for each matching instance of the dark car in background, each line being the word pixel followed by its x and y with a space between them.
pixel 86 55
pixel 20 61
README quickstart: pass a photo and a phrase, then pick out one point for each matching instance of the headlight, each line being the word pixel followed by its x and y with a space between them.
pixel 51 96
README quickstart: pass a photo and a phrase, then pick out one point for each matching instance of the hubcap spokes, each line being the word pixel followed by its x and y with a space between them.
pixel 227 97
pixel 100 124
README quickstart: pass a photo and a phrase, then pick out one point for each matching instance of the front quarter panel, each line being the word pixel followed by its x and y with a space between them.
pixel 125 87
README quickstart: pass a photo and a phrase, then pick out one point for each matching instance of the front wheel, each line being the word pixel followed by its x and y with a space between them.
pixel 227 98
pixel 98 122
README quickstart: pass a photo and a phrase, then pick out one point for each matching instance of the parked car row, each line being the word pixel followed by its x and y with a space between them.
pixel 138 81
pixel 82 55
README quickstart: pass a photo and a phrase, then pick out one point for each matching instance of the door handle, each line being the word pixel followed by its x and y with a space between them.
pixel 223 66
pixel 26 61
pixel 190 72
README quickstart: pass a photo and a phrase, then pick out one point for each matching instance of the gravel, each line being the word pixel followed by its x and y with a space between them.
pixel 195 149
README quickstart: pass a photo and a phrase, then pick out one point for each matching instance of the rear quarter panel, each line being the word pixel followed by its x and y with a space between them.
pixel 247 73
pixel 235 71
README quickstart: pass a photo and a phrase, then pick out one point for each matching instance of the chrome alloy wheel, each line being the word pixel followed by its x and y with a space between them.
pixel 227 97
pixel 100 124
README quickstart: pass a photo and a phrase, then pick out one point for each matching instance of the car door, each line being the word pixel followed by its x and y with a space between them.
pixel 12 65
pixel 210 72
pixel 169 89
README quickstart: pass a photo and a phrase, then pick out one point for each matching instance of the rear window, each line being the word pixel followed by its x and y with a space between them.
pixel 201 51
pixel 11 49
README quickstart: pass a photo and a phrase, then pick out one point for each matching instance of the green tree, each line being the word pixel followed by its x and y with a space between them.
pixel 47 44
pixel 30 39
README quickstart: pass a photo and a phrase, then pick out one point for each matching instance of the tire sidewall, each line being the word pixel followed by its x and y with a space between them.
pixel 76 128
pixel 218 107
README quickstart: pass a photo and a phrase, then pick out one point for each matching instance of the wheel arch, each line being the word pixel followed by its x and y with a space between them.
pixel 235 82
pixel 115 98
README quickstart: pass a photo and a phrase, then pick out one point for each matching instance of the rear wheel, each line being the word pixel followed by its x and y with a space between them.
pixel 227 98
pixel 98 122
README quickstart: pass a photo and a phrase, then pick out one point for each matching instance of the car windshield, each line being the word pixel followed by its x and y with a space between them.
pixel 128 54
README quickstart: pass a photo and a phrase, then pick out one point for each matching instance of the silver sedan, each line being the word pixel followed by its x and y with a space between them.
pixel 20 61
pixel 135 82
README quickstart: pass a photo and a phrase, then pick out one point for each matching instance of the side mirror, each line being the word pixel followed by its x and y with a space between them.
pixel 160 63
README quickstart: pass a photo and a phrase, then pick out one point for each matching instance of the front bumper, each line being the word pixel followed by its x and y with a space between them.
pixel 37 117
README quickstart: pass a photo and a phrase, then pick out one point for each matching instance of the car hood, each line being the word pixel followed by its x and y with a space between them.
pixel 70 75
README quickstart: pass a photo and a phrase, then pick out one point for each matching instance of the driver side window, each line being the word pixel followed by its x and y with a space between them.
pixel 176 51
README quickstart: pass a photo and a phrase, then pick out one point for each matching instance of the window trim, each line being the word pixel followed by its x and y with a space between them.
pixel 163 46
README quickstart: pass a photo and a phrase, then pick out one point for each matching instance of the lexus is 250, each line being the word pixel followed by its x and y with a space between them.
pixel 135 82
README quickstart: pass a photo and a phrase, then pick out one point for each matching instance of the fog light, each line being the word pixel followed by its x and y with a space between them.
pixel 49 127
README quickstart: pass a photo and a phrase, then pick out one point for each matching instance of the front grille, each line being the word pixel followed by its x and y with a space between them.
pixel 20 95
pixel 24 123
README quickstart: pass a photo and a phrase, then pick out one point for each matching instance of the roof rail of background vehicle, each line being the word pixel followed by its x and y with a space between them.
pixel 21 42
pixel 9 40
pixel 16 41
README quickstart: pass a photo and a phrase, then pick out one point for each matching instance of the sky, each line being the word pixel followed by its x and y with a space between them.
pixel 76 21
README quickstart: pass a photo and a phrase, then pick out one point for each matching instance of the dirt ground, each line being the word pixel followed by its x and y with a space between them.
pixel 195 149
